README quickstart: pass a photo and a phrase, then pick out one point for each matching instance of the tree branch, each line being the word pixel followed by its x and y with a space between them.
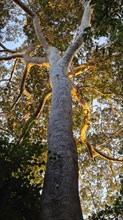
pixel 14 56
pixel 90 151
pixel 42 103
pixel 110 138
pixel 77 43
pixel 107 96
pixel 35 116
pixel 39 61
pixel 98 91
pixel 38 31
pixel 6 49
pixel 86 111
pixel 111 159
pixel 80 69
pixel 11 74
pixel 94 152
pixel 30 61
pixel 28 99
pixel 25 8
pixel 5 130
pixel 26 72
pixel 36 24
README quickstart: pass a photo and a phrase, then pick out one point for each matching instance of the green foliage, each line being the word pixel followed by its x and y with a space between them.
pixel 59 19
pixel 21 169
pixel 107 18
pixel 111 212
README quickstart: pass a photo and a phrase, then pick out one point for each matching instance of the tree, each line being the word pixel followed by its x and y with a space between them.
pixel 60 190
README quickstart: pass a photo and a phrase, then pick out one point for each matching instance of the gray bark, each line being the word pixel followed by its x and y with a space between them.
pixel 60 199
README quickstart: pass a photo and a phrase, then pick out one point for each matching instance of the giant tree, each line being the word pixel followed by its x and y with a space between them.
pixel 60 199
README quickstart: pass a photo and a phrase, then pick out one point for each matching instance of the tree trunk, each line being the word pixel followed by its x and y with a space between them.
pixel 60 199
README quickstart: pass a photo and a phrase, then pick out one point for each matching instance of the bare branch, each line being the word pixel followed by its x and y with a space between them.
pixel 110 138
pixel 14 56
pixel 96 152
pixel 86 111
pixel 77 43
pixel 80 69
pixel 42 103
pixel 35 116
pixel 25 8
pixel 28 99
pixel 36 23
pixel 5 130
pixel 6 49
pixel 38 31
pixel 26 72
pixel 38 61
pixel 90 151
pixel 111 159
pixel 99 92
pixel 11 74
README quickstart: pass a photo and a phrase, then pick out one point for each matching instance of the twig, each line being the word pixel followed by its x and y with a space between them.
pixel 5 130
pixel 12 73
pixel 27 69
pixel 96 153
pixel 107 140
pixel 14 56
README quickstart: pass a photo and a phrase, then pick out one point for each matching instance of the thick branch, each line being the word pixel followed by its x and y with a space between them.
pixel 76 45
pixel 38 61
pixel 36 23
pixel 38 31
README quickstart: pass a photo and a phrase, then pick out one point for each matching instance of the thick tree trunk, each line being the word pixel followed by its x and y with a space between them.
pixel 60 199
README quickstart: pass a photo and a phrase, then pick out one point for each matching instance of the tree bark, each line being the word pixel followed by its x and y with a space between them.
pixel 60 199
